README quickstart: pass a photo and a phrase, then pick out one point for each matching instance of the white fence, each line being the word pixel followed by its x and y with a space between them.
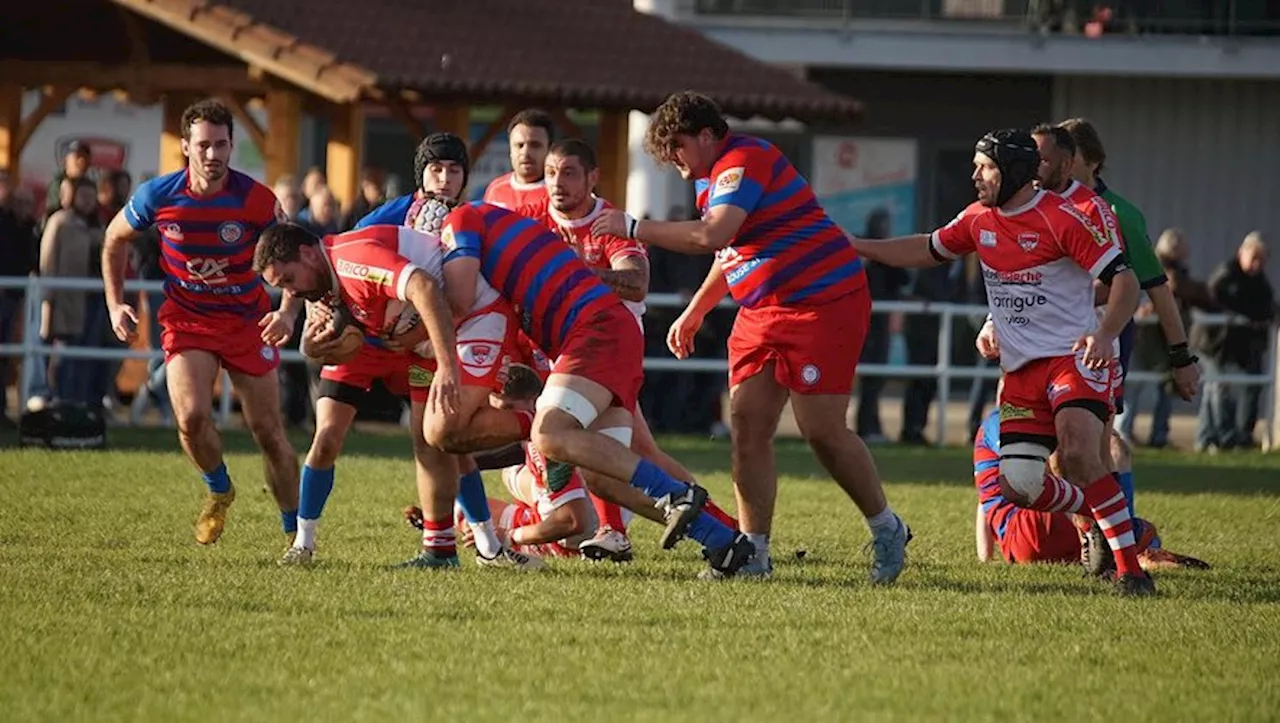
pixel 32 349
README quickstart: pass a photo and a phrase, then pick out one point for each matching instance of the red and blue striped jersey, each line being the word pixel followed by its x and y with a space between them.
pixel 531 267
pixel 986 475
pixel 207 242
pixel 788 252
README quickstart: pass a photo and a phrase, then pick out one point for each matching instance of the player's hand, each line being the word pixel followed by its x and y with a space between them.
pixel 680 335
pixel 1186 381
pixel 1099 350
pixel 276 328
pixel 124 322
pixel 610 222
pixel 444 397
pixel 986 342
pixel 410 339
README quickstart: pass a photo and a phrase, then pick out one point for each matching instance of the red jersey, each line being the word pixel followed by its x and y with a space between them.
pixel 531 267
pixel 788 251
pixel 207 243
pixel 371 268
pixel 506 191
pixel 1088 202
pixel 1039 262
pixel 597 252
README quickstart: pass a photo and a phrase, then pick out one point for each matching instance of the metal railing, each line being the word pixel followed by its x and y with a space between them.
pixel 32 349
pixel 1219 18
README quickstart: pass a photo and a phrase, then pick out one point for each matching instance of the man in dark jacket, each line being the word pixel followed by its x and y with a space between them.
pixel 1239 287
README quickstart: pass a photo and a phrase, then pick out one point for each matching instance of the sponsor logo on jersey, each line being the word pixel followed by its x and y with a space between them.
pixel 420 376
pixel 1098 237
pixel 1024 277
pixel 1019 304
pixel 446 237
pixel 728 181
pixel 1028 240
pixel 171 231
pixel 364 272
pixel 210 271
pixel 1009 411
pixel 987 238
pixel 1109 221
pixel 230 232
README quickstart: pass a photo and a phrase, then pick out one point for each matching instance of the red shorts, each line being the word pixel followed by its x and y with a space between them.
pixel 237 344
pixel 815 349
pixel 488 341
pixel 1033 536
pixel 1032 395
pixel 608 349
pixel 372 363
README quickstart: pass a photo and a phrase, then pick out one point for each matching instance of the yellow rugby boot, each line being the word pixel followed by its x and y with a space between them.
pixel 213 516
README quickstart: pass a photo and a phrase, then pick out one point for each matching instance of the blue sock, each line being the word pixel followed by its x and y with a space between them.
pixel 1126 485
pixel 314 491
pixel 289 521
pixel 218 480
pixel 712 533
pixel 471 497
pixel 654 482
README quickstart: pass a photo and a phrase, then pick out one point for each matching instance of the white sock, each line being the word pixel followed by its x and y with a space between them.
pixel 762 546
pixel 886 520
pixel 306 534
pixel 487 544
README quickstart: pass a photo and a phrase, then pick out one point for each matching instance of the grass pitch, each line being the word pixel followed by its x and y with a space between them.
pixel 110 611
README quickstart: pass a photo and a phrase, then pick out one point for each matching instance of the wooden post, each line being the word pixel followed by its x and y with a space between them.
pixel 171 158
pixel 10 129
pixel 614 154
pixel 344 152
pixel 454 118
pixel 284 128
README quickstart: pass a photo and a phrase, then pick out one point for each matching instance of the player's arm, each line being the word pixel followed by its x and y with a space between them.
pixel 714 288
pixel 115 256
pixel 905 252
pixel 628 276
pixel 564 521
pixel 982 537
pixel 708 235
pixel 428 300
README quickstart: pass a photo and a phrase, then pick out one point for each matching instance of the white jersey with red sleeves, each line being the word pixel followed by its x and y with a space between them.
pixel 597 252
pixel 1039 262
pixel 371 268
pixel 506 191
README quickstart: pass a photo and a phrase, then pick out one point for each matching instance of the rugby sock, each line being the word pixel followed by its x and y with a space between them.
pixel 289 521
pixel 609 514
pixel 712 533
pixel 218 480
pixel 313 493
pixel 475 507
pixel 711 508
pixel 885 520
pixel 1059 495
pixel 1126 486
pixel 438 538
pixel 1112 514
pixel 762 546
pixel 656 483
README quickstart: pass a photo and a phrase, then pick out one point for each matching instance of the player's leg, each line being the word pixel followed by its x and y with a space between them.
pixel 436 474
pixel 335 411
pixel 190 378
pixel 755 405
pixel 260 401
pixel 568 411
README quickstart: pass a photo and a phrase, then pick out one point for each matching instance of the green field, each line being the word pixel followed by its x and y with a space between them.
pixel 109 610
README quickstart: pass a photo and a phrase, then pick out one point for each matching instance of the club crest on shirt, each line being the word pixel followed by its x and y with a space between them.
pixel 171 231
pixel 1028 240
pixel 230 232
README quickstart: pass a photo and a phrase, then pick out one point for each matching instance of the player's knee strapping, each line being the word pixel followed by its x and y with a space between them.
pixel 570 402
pixel 1023 465
pixel 623 435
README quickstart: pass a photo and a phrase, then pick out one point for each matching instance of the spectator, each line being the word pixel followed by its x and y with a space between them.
pixel 66 250
pixel 321 213
pixel 291 199
pixel 885 284
pixel 373 193
pixel 935 284
pixel 1229 412
pixel 113 193
pixel 66 192
pixel 75 165
pixel 17 259
pixel 313 181
pixel 1151 349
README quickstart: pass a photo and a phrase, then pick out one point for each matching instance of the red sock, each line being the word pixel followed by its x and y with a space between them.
pixel 525 418
pixel 438 537
pixel 1112 514
pixel 609 514
pixel 711 508
pixel 1059 496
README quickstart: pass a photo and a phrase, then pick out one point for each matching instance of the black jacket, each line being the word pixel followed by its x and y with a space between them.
pixel 1235 292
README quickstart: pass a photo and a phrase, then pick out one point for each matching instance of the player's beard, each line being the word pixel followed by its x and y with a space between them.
pixel 210 174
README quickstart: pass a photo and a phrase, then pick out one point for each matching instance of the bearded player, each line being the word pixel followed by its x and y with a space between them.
pixel 804 313
pixel 216 313
pixel 1039 258
pixel 345 386
pixel 570 209
pixel 584 418
pixel 529 136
